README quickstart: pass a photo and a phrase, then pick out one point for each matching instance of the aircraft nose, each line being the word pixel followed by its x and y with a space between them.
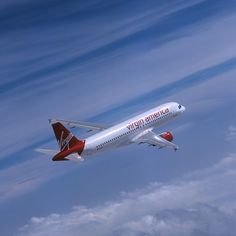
pixel 181 109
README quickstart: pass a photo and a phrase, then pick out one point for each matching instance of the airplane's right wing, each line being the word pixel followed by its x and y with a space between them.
pixel 81 124
pixel 149 137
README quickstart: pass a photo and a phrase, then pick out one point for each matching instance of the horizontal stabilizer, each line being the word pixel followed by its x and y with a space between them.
pixel 72 157
pixel 46 151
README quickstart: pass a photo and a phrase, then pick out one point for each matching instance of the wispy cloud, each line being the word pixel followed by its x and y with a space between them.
pixel 189 206
pixel 231 133
pixel 24 177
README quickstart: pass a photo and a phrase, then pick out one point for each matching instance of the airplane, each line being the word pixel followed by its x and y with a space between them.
pixel 138 129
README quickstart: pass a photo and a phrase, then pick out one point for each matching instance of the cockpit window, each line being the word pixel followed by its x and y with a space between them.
pixel 179 106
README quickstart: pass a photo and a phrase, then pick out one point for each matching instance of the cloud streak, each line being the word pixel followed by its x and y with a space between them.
pixel 164 28
pixel 21 178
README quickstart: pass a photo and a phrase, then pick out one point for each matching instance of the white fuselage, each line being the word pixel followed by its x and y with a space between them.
pixel 125 132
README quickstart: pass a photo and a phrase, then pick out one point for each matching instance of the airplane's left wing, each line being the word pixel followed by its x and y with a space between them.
pixel 81 124
pixel 161 140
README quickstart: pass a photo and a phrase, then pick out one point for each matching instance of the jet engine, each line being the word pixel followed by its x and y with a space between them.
pixel 167 136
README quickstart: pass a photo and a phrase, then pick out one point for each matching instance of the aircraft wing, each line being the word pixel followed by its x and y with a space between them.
pixel 80 124
pixel 149 137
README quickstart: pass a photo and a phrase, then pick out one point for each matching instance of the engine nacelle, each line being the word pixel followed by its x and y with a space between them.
pixel 167 136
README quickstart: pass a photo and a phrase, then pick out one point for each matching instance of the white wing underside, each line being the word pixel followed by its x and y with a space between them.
pixel 149 137
pixel 81 124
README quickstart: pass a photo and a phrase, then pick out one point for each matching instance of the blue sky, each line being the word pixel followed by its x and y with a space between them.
pixel 105 61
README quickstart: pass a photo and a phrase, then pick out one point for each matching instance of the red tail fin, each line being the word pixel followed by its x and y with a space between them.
pixel 65 138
